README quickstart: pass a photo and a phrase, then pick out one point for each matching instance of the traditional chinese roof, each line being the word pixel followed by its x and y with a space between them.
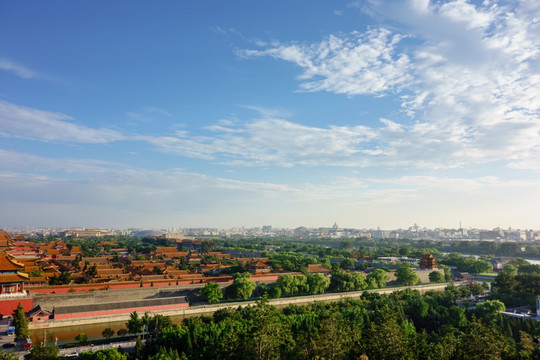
pixel 259 264
pixel 318 268
pixel 8 264
pixel 38 310
pixel 12 278
pixel 5 240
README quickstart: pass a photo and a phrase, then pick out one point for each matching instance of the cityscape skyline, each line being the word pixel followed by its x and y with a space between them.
pixel 371 113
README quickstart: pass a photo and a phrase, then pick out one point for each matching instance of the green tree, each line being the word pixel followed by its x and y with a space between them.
pixel 104 354
pixel 345 281
pixel 92 271
pixel 482 342
pixel 447 272
pixel 21 323
pixel 65 278
pixel 212 292
pixel 347 263
pixel 476 288
pixel 242 286
pixel 406 276
pixel 489 309
pixel 159 323
pixel 510 270
pixel 505 283
pixel 107 333
pixel 82 338
pixel 287 284
pixel 347 244
pixel 40 352
pixel 377 278
pixel 134 324
pixel 436 276
pixel 317 283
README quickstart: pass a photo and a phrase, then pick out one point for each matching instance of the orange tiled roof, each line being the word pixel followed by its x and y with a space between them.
pixel 317 268
pixel 259 264
pixel 6 278
pixel 7 264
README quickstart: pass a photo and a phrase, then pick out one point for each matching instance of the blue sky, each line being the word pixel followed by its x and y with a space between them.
pixel 289 113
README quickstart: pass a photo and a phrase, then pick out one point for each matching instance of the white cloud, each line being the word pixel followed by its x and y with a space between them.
pixel 18 161
pixel 17 69
pixel 272 141
pixel 24 122
pixel 469 78
pixel 352 64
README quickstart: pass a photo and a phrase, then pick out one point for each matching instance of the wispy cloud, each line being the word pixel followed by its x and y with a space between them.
pixel 28 123
pixel 352 64
pixel 17 69
pixel 17 161
pixel 468 76
pixel 272 141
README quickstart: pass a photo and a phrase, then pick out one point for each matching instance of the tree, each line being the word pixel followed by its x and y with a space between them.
pixel 21 323
pixel 82 338
pixel 65 278
pixel 317 283
pixel 377 278
pixel 344 281
pixel 481 342
pixel 134 324
pixel 242 286
pixel 212 292
pixel 436 276
pixel 347 244
pixel 505 283
pixel 159 323
pixel 104 354
pixel 122 332
pixel 92 271
pixel 347 263
pixel 40 352
pixel 510 270
pixel 406 276
pixel 489 309
pixel 107 333
pixel 287 284
pixel 476 288
pixel 447 272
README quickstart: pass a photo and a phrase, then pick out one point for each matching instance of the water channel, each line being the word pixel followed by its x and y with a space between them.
pixel 93 331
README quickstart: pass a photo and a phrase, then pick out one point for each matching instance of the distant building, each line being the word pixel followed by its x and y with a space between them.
pixel 494 235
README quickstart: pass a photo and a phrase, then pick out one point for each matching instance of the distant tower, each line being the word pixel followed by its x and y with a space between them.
pixel 427 262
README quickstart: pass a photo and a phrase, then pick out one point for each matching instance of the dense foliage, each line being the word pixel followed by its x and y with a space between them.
pixel 401 325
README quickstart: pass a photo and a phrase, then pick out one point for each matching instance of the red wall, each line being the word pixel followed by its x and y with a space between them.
pixel 61 289
pixel 7 307
pixel 119 311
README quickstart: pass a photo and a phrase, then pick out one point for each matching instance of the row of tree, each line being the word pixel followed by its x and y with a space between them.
pixel 401 325
pixel 312 284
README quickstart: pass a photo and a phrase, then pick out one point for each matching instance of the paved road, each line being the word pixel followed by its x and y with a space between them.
pixel 125 345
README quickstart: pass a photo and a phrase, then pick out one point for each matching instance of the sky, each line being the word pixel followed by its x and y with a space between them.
pixel 207 113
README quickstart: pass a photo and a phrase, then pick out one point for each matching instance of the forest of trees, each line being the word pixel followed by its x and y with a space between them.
pixel 402 325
